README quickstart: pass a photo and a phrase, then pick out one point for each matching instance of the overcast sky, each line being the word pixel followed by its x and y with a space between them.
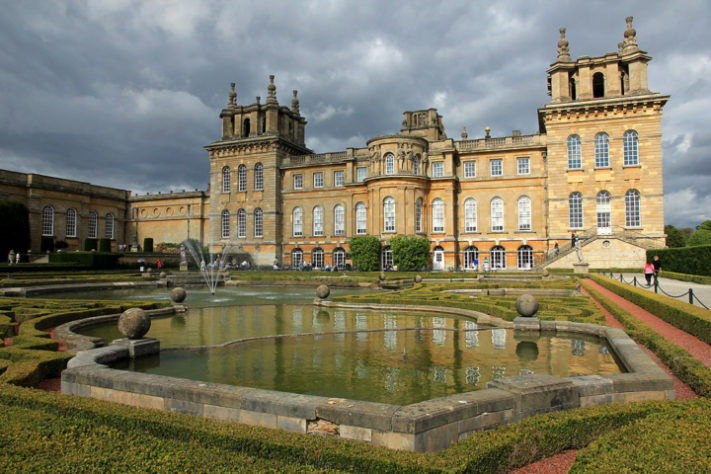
pixel 125 93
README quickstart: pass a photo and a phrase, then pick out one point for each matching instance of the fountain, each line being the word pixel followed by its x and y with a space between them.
pixel 212 269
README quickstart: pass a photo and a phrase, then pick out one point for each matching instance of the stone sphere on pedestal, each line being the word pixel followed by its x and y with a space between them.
pixel 134 323
pixel 323 291
pixel 382 276
pixel 418 278
pixel 178 294
pixel 526 305
pixel 546 272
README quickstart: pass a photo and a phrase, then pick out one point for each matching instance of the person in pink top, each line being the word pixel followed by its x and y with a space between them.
pixel 648 272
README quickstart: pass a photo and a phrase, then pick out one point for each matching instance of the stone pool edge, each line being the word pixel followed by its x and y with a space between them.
pixel 431 425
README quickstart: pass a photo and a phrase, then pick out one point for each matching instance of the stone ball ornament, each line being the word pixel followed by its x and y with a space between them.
pixel 418 278
pixel 546 272
pixel 526 305
pixel 134 323
pixel 382 276
pixel 178 294
pixel 323 291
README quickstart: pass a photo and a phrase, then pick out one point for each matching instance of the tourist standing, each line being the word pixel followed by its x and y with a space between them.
pixel 648 272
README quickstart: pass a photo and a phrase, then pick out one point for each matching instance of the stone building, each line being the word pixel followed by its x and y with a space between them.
pixel 594 169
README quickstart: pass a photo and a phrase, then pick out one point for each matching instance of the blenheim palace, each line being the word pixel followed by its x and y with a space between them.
pixel 594 169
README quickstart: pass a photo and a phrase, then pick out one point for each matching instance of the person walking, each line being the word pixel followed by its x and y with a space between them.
pixel 648 272
pixel 657 268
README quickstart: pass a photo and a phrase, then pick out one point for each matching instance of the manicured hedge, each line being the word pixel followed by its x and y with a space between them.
pixel 704 280
pixel 693 260
pixel 689 370
pixel 104 245
pixel 673 440
pixel 692 319
pixel 90 244
pixel 96 260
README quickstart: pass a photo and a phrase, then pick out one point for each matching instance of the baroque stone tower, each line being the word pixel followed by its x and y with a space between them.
pixel 245 178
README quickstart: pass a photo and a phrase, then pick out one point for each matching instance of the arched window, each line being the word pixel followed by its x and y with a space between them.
pixel 470 215
pixel 225 224
pixel 297 259
pixel 524 213
pixel 631 150
pixel 93 225
pixel 339 258
pixel 387 258
pixel 246 128
pixel 258 177
pixel 602 151
pixel 361 219
pixel 498 257
pixel 71 227
pixel 226 179
pixel 317 258
pixel 497 215
pixel 389 215
pixel 575 210
pixel 48 221
pixel 416 165
pixel 318 221
pixel 258 222
pixel 241 223
pixel 632 214
pixel 418 215
pixel 242 178
pixel 525 257
pixel 471 258
pixel 574 158
pixel 109 226
pixel 603 211
pixel 339 223
pixel 389 164
pixel 437 215
pixel 297 222
pixel 598 84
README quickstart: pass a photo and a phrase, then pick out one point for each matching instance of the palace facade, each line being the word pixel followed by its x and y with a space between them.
pixel 594 169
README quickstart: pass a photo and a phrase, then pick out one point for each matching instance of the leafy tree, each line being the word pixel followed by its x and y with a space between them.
pixel 365 252
pixel 675 238
pixel 702 236
pixel 15 233
pixel 409 252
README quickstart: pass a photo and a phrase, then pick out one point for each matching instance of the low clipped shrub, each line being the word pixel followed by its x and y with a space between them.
pixel 689 370
pixel 94 260
pixel 704 280
pixel 692 319
pixel 90 244
pixel 104 245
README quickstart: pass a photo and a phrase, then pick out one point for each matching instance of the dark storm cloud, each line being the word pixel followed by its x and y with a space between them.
pixel 127 92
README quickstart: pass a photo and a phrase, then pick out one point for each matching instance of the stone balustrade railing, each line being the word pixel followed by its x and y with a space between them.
pixel 502 142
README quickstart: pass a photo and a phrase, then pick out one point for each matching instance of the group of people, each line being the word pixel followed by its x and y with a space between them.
pixel 652 269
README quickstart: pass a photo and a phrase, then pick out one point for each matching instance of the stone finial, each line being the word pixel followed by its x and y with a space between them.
pixel 563 49
pixel 630 41
pixel 487 130
pixel 258 99
pixel 271 91
pixel 233 95
pixel 465 135
pixel 295 103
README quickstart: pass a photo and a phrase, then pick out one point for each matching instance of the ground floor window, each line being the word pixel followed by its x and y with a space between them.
pixel 339 259
pixel 317 258
pixel 498 257
pixel 525 257
pixel 297 259
pixel 471 258
pixel 387 258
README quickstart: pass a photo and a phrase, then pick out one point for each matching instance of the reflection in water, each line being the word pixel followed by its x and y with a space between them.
pixel 578 347
pixel 498 338
pixel 471 337
pixel 439 337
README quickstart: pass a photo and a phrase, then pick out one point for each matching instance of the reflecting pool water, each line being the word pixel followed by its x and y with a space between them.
pixel 363 355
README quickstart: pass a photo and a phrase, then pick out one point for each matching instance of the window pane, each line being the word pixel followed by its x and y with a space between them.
pixel 389 215
pixel 524 213
pixel 338 220
pixel 631 151
pixel 360 219
pixel 524 166
pixel 438 215
pixel 470 169
pixel 225 224
pixel 242 178
pixel 226 179
pixel 258 223
pixel 418 215
pixel 109 229
pixel 575 204
pixel 632 214
pixel 470 215
pixel 318 220
pixel 438 169
pixel 362 173
pixel 258 177
pixel 389 164
pixel 338 178
pixel 497 167
pixel 93 225
pixel 297 222
pixel 71 230
pixel 497 215
pixel 602 151
pixel 298 181
pixel 574 157
pixel 48 221
pixel 241 223
pixel 318 180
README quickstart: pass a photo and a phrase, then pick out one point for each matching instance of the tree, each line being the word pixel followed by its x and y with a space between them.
pixel 702 236
pixel 15 232
pixel 409 252
pixel 675 237
pixel 365 252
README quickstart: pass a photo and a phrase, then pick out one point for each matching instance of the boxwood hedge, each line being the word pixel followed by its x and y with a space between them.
pixel 693 260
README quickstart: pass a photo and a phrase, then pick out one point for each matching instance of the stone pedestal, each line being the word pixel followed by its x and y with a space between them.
pixel 524 323
pixel 581 267
pixel 183 266
pixel 139 347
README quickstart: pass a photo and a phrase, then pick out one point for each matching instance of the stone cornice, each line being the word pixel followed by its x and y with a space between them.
pixel 264 143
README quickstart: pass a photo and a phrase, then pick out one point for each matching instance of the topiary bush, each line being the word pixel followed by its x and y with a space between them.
pixel 410 253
